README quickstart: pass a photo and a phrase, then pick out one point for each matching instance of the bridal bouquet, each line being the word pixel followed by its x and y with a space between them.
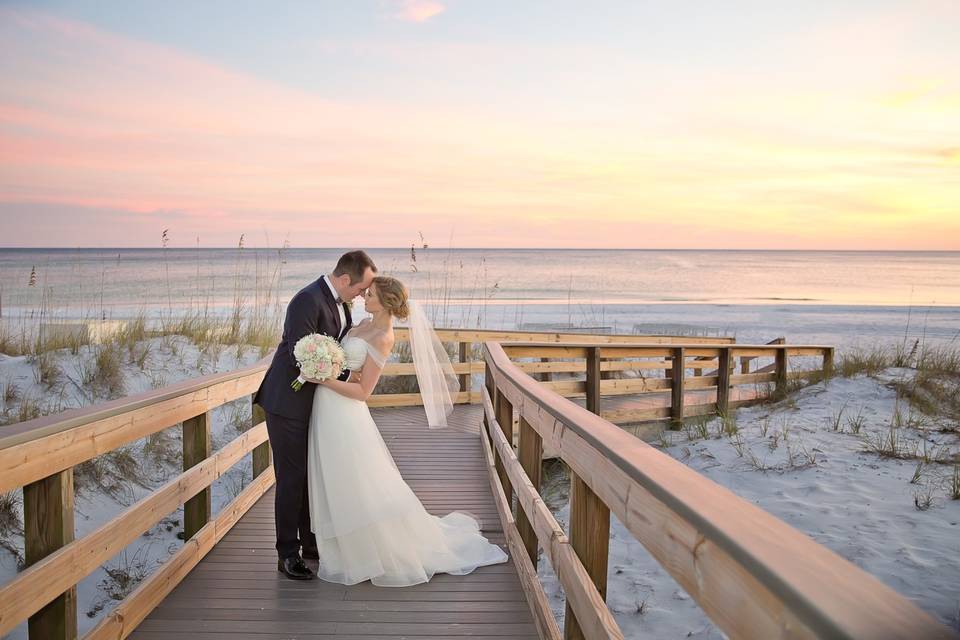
pixel 320 357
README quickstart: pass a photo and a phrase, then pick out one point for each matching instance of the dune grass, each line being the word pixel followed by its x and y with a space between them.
pixel 931 391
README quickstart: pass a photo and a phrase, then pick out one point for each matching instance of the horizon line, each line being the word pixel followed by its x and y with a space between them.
pixel 447 248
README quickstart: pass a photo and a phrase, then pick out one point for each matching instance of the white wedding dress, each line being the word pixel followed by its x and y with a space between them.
pixel 368 522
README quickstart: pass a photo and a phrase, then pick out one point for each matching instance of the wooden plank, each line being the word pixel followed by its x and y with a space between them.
pixel 547 368
pixel 48 524
pixel 545 351
pixel 805 351
pixel 530 454
pixel 414 399
pixel 759 351
pixel 590 539
pixel 567 388
pixel 752 378
pixel 623 387
pixel 646 351
pixel 623 416
pixel 634 386
pixel 87 433
pixel 307 603
pixel 702 382
pixel 578 366
pixel 261 457
pixel 489 335
pixel 408 368
pixel 504 412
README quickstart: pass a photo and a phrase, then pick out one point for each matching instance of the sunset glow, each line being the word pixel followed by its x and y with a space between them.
pixel 483 125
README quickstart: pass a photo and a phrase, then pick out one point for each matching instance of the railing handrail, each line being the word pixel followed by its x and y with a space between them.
pixel 552 337
pixel 662 345
pixel 19 433
pixel 801 586
pixel 22 432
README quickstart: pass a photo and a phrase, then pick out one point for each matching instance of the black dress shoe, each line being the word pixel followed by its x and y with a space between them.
pixel 311 553
pixel 294 568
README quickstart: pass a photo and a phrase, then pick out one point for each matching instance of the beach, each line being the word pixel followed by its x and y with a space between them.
pixel 194 313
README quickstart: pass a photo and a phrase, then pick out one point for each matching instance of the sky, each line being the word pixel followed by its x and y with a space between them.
pixel 760 124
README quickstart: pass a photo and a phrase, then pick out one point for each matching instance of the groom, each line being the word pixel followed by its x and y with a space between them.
pixel 320 307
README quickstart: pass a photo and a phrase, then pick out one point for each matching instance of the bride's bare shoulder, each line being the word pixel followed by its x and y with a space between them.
pixel 383 341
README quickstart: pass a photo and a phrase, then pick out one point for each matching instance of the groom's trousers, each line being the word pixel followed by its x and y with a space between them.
pixel 288 439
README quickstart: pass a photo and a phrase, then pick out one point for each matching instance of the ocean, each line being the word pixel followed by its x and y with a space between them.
pixel 835 297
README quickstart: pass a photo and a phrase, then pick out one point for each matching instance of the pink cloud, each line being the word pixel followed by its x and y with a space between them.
pixel 419 10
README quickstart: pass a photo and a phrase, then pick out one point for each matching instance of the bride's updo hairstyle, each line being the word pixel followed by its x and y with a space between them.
pixel 393 296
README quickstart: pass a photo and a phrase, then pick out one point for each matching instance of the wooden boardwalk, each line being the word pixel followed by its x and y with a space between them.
pixel 236 591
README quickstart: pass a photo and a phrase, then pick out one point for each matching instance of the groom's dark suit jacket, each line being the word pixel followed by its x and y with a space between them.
pixel 312 310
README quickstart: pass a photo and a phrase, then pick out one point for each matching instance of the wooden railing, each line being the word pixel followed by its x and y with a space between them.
pixel 39 456
pixel 470 361
pixel 754 576
pixel 655 373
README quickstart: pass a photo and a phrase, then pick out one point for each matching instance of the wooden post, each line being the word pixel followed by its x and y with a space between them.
pixel 488 383
pixel 593 380
pixel 781 370
pixel 504 411
pixel 676 375
pixel 196 449
pixel 531 456
pixel 828 362
pixel 47 526
pixel 465 357
pixel 590 539
pixel 261 453
pixel 723 381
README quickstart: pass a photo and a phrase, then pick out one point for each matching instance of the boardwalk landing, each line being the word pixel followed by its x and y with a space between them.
pixel 236 591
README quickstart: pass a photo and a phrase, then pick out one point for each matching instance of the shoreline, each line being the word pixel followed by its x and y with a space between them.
pixel 490 249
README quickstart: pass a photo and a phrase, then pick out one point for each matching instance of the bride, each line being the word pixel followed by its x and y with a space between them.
pixel 368 522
